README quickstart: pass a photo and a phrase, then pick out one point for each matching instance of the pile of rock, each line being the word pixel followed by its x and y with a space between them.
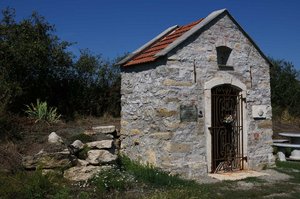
pixel 80 161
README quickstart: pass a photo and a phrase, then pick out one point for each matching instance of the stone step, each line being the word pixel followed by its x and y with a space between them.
pixel 104 129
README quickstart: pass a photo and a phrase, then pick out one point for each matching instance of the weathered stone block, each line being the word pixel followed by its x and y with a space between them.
pixel 163 112
pixel 135 132
pixel 124 123
pixel 151 157
pixel 170 82
pixel 162 135
pixel 173 147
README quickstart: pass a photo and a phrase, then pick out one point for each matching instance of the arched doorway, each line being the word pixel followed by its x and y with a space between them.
pixel 226 129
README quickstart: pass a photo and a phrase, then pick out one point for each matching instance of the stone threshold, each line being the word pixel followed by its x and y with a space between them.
pixel 237 175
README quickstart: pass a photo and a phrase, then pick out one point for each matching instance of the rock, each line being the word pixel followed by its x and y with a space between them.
pixel 77 144
pixel 104 129
pixel 47 161
pixel 51 172
pixel 54 138
pixel 295 155
pixel 82 162
pixel 281 156
pixel 103 144
pixel 75 147
pixel 83 173
pixel 96 157
pixel 89 132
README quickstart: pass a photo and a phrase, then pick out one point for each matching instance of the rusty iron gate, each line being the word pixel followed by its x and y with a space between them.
pixel 227 129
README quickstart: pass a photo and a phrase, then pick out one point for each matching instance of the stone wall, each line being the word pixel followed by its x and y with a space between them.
pixel 151 129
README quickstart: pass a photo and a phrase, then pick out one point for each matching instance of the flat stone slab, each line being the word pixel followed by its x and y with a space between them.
pixel 104 129
pixel 97 157
pixel 289 134
pixel 83 173
pixel 287 145
pixel 237 175
pixel 103 144
pixel 280 140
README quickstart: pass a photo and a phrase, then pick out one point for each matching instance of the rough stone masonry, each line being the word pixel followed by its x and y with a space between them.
pixel 153 94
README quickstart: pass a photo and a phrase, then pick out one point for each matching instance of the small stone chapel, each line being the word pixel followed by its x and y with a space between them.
pixel 196 99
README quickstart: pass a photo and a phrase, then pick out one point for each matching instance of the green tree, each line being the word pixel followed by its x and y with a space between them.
pixel 96 85
pixel 35 64
pixel 32 57
pixel 285 88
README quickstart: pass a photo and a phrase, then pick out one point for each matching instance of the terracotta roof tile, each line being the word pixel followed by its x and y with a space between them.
pixel 148 54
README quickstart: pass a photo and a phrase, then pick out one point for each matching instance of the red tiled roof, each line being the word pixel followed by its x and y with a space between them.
pixel 148 54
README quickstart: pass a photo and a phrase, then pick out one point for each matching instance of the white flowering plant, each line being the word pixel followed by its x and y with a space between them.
pixel 228 119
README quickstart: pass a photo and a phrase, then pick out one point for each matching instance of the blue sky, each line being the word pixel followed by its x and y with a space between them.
pixel 113 27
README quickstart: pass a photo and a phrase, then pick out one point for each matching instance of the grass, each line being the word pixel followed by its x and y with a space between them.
pixel 133 180
pixel 29 185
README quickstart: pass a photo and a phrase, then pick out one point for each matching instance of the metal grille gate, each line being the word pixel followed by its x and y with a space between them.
pixel 227 129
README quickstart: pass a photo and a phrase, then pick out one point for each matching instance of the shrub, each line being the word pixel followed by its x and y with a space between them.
pixel 25 185
pixel 10 158
pixel 112 180
pixel 41 112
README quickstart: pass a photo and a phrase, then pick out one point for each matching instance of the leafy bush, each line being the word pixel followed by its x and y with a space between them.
pixel 41 112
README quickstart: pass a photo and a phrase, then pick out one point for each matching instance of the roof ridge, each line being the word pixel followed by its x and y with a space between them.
pixel 168 40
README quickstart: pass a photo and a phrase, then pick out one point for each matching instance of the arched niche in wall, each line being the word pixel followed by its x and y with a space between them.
pixel 223 53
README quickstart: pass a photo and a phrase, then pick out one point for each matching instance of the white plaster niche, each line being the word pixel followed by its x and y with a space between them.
pixel 259 111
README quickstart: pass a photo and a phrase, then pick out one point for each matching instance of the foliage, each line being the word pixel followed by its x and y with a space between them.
pixel 95 86
pixel 32 57
pixel 112 180
pixel 36 64
pixel 285 88
pixel 82 137
pixel 10 158
pixel 26 185
pixel 41 112
pixel 154 176
pixel 290 168
pixel 9 129
pixel 82 154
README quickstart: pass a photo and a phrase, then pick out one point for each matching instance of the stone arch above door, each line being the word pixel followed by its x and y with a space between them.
pixel 224 80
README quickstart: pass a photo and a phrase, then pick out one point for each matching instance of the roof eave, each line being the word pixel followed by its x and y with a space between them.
pixel 136 52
